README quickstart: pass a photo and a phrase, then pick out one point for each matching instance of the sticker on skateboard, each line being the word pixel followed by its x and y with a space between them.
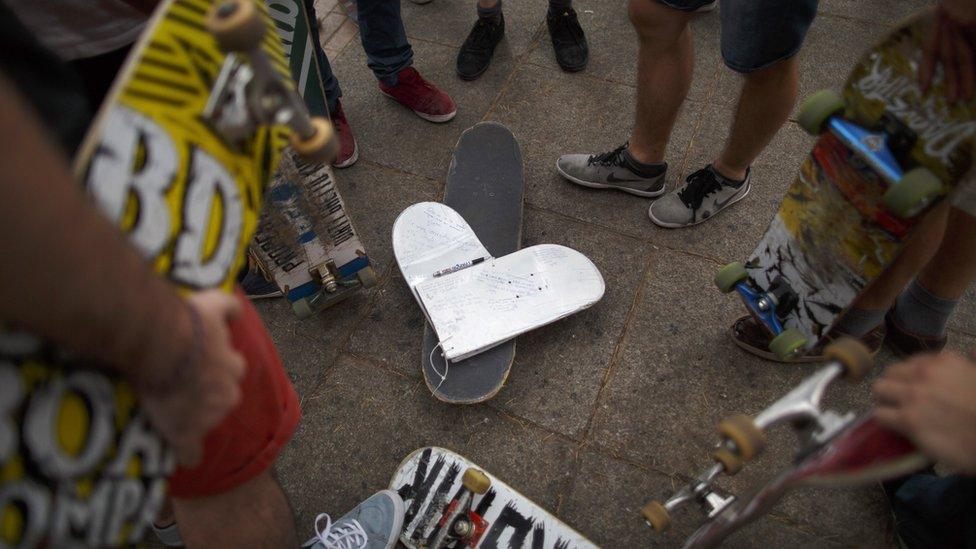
pixel 450 500
pixel 474 301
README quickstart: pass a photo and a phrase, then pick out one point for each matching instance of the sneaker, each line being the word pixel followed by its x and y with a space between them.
pixel 611 170
pixel 478 47
pixel 704 194
pixel 257 286
pixel 701 9
pixel 420 96
pixel 905 343
pixel 348 148
pixel 568 40
pixel 373 524
pixel 752 337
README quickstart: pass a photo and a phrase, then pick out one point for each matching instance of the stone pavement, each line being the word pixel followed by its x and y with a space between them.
pixel 610 407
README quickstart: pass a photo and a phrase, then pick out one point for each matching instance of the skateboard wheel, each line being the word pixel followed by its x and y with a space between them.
pixel 237 25
pixel 853 354
pixel 728 276
pixel 367 277
pixel 657 516
pixel 817 108
pixel 731 462
pixel 786 344
pixel 476 481
pixel 321 147
pixel 302 308
pixel 742 431
pixel 913 193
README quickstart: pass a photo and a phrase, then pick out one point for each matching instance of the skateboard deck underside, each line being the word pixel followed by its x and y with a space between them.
pixel 485 185
pixel 189 203
pixel 429 478
pixel 832 235
pixel 304 227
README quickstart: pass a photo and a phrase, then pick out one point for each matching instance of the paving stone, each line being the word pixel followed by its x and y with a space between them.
pixel 450 22
pixel 347 33
pixel 584 124
pixel 393 331
pixel 391 135
pixel 964 318
pixel 365 420
pixel 889 12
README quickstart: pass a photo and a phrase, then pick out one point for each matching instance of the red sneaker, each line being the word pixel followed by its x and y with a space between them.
pixel 420 96
pixel 348 149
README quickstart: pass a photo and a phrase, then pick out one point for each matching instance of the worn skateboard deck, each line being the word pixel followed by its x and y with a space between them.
pixel 484 184
pixel 88 470
pixel 429 478
pixel 833 234
pixel 306 241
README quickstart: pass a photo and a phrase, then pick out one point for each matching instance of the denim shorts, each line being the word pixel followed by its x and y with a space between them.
pixel 757 33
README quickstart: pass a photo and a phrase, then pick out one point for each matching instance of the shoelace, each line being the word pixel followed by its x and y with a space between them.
pixel 612 158
pixel 700 184
pixel 348 536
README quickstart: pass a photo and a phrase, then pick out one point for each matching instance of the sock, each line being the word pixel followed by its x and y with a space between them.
pixel 558 6
pixel 494 13
pixel 858 322
pixel 642 169
pixel 735 183
pixel 921 313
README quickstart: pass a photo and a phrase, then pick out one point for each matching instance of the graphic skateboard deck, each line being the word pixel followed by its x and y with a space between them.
pixel 444 493
pixel 306 241
pixel 836 450
pixel 474 301
pixel 886 152
pixel 183 179
pixel 484 184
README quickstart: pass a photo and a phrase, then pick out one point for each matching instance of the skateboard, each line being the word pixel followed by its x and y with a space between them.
pixel 451 502
pixel 484 185
pixel 474 301
pixel 886 153
pixel 306 241
pixel 835 450
pixel 178 158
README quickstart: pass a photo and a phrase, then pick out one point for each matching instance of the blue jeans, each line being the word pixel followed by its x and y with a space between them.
pixel 933 511
pixel 384 39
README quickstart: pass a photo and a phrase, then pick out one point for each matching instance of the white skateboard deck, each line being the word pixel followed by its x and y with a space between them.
pixel 474 301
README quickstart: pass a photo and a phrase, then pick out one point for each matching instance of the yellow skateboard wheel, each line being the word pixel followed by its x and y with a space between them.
pixel 237 25
pixel 853 354
pixel 817 108
pixel 731 462
pixel 476 481
pixel 913 193
pixel 657 516
pixel 367 277
pixel 742 431
pixel 728 276
pixel 321 147
pixel 786 344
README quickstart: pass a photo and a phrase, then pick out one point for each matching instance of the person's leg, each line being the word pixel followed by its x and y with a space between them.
pixel 474 57
pixel 329 82
pixel 385 40
pixel 216 521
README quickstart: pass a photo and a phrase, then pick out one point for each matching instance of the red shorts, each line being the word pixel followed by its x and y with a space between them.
pixel 247 442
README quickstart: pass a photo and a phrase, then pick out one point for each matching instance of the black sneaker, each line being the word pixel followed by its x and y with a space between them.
pixel 568 40
pixel 475 54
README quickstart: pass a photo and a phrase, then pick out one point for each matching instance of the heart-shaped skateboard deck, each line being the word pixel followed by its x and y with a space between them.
pixel 474 301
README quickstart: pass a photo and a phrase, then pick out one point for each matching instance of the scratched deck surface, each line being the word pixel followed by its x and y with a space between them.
pixel 832 235
pixel 429 478
pixel 305 224
pixel 189 203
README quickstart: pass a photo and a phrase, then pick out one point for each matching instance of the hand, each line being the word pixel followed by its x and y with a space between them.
pixel 931 399
pixel 951 45
pixel 203 391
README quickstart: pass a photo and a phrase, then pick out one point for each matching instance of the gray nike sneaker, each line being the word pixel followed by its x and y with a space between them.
pixel 703 195
pixel 373 524
pixel 611 170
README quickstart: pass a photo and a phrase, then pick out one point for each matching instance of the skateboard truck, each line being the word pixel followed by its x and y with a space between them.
pixel 459 522
pixel 249 94
pixel 743 437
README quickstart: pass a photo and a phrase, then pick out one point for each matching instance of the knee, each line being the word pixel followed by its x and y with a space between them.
pixel 654 22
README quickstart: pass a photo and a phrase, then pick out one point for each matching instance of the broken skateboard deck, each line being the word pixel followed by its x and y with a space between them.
pixel 445 494
pixel 306 243
pixel 886 152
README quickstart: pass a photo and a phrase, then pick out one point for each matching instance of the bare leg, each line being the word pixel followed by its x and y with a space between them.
pixel 765 103
pixel 254 514
pixel 953 268
pixel 664 67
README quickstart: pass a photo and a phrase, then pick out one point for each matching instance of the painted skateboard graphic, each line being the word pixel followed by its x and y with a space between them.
pixel 484 185
pixel 178 158
pixel 835 450
pixel 451 502
pixel 886 153
pixel 475 301
pixel 306 241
